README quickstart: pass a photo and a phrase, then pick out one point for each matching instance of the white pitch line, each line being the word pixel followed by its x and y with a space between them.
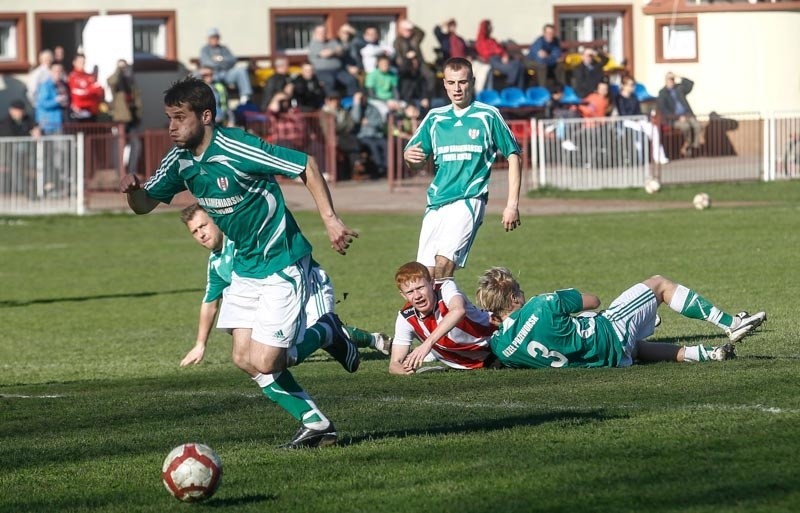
pixel 23 396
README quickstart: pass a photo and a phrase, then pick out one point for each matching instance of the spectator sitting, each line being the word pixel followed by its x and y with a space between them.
pixel 286 127
pixel 407 49
pixel 596 104
pixel 589 72
pixel 493 53
pixel 224 114
pixel 450 43
pixel 545 55
pixel 52 99
pixel 382 84
pixel 85 93
pixel 308 91
pixel 279 81
pixel 39 74
pixel 346 35
pixel 17 160
pixel 373 49
pixel 220 59
pixel 628 105
pixel 371 130
pixel 326 55
pixel 346 141
pixel 555 108
pixel 677 112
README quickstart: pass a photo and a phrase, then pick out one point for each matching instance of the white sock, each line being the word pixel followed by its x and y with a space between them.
pixel 693 354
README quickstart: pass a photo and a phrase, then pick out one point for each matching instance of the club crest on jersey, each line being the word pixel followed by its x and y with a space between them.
pixel 473 133
pixel 222 182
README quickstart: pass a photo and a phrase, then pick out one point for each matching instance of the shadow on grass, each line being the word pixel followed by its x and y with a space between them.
pixel 573 418
pixel 44 301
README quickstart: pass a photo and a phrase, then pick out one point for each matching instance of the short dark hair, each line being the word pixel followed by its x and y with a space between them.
pixel 193 92
pixel 547 26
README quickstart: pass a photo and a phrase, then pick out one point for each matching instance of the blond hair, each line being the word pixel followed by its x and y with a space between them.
pixel 497 290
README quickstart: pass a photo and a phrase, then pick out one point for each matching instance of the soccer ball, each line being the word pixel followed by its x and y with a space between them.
pixel 652 186
pixel 192 472
pixel 701 201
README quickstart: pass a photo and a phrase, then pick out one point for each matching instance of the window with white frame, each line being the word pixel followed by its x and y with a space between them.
pixel 149 38
pixel 8 40
pixel 594 26
pixel 292 33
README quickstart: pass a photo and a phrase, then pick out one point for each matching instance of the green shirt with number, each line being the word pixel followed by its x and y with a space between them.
pixel 544 333
pixel 463 146
pixel 234 181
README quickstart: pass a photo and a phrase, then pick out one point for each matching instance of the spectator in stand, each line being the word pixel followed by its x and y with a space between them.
pixel 85 93
pixel 371 130
pixel 126 107
pixel 382 84
pixel 407 50
pixel 450 43
pixel 60 57
pixel 493 53
pixel 279 81
pixel 286 127
pixel 346 141
pixel 39 74
pixel 220 59
pixel 544 55
pixel 351 58
pixel 677 112
pixel 224 115
pixel 589 72
pixel 15 179
pixel 373 49
pixel 52 100
pixel 628 105
pixel 326 55
pixel 308 90
pixel 597 103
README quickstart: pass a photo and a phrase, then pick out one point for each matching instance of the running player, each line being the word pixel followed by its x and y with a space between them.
pixel 220 268
pixel 232 175
pixel 450 328
pixel 542 332
pixel 462 139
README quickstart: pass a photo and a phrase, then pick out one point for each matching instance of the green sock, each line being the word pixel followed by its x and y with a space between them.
pixel 282 389
pixel 312 341
pixel 694 306
pixel 359 337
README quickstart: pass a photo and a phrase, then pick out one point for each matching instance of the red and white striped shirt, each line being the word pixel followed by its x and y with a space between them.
pixel 466 346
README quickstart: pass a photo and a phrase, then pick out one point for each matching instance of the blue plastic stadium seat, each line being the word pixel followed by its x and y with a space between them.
pixel 537 96
pixel 513 97
pixel 570 97
pixel 642 94
pixel 490 97
pixel 346 102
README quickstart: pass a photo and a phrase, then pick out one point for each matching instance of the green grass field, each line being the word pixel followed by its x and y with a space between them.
pixel 98 311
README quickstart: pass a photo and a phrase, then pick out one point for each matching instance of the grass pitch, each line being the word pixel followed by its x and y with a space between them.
pixel 98 311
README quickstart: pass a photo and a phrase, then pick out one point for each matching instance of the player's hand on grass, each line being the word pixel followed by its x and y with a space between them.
pixel 511 218
pixel 194 356
pixel 129 183
pixel 340 235
pixel 416 358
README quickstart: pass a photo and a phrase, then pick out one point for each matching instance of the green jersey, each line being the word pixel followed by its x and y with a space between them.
pixel 220 267
pixel 234 181
pixel 543 333
pixel 463 145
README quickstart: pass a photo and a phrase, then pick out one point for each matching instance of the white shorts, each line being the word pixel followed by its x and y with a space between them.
pixel 633 315
pixel 449 231
pixel 321 297
pixel 273 307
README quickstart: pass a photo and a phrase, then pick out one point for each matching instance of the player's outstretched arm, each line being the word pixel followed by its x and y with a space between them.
pixel 339 234
pixel 457 309
pixel 138 199
pixel 396 358
pixel 414 157
pixel 208 312
pixel 511 213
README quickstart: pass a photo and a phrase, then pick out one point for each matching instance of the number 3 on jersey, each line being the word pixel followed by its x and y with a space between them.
pixel 535 349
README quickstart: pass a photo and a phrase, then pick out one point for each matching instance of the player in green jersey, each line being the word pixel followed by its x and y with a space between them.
pixel 218 278
pixel 232 175
pixel 462 140
pixel 543 332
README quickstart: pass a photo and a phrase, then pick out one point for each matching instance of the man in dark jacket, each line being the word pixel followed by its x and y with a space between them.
pixel 17 159
pixel 677 112
pixel 589 72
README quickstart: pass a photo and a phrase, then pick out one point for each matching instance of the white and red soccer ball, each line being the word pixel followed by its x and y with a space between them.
pixel 192 472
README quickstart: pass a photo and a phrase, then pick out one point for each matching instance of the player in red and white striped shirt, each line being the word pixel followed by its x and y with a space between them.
pixel 450 328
